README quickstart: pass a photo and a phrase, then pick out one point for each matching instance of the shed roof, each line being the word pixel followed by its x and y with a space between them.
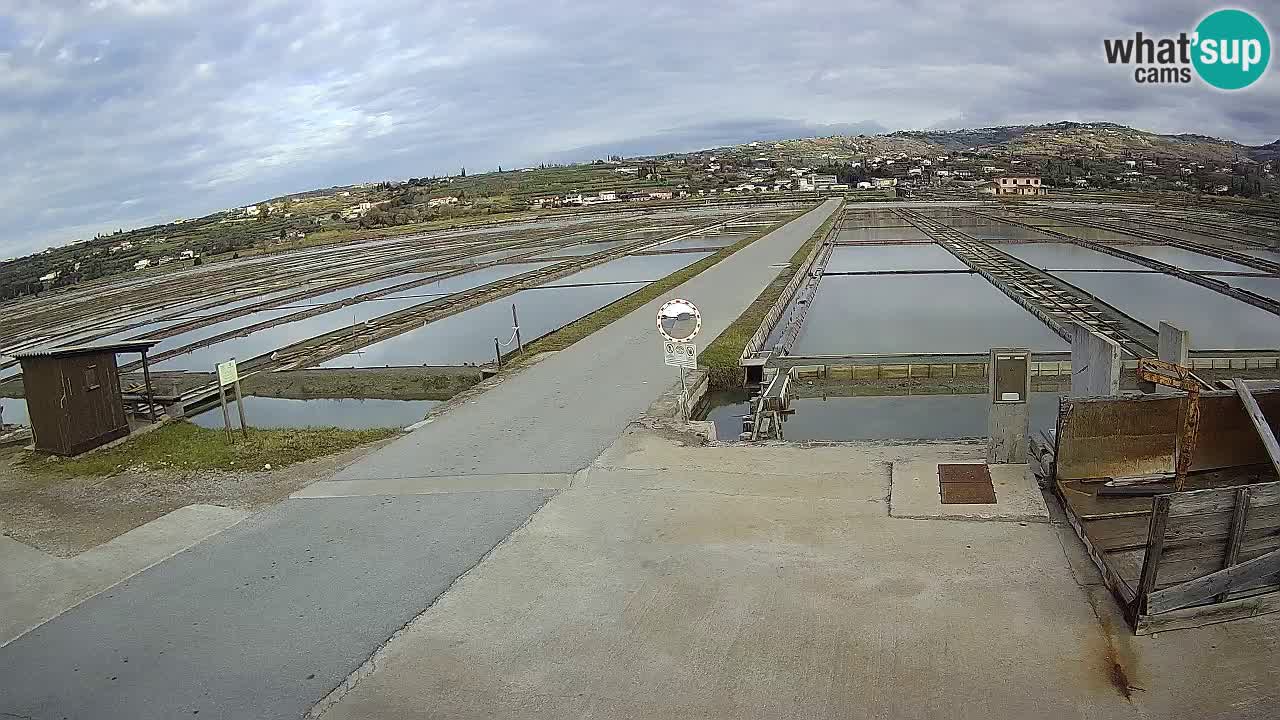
pixel 70 350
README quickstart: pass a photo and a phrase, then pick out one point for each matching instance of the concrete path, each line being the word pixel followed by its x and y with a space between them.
pixel 771 582
pixel 559 415
pixel 267 618
pixel 36 586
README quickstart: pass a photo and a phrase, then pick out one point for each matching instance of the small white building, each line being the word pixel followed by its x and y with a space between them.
pixel 142 264
pixel 442 201
pixel 1019 185
pixel 824 182
pixel 187 254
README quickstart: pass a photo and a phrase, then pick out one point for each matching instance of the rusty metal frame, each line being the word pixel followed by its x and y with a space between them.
pixel 1170 375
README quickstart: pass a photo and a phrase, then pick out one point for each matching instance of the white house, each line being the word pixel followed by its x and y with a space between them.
pixel 1019 185
pixel 187 254
pixel 442 201
pixel 142 264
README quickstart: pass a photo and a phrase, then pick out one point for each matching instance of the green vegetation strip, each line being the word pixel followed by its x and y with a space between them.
pixel 722 355
pixel 181 446
pixel 584 326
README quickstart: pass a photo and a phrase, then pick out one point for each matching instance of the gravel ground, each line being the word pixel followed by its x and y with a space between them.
pixel 67 517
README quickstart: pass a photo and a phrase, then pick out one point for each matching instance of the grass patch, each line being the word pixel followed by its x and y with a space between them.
pixel 588 324
pixel 383 383
pixel 722 355
pixel 184 446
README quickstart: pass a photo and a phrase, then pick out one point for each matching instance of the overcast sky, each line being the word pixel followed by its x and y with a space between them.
pixel 119 113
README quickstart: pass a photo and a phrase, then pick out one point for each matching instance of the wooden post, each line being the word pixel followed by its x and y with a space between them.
pixel 1151 559
pixel 515 323
pixel 1259 421
pixel 226 416
pixel 151 397
pixel 244 426
pixel 497 351
pixel 1239 517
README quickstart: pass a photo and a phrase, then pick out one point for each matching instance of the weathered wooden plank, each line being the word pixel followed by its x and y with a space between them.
pixel 1120 588
pixel 1236 538
pixel 1198 502
pixel 1208 614
pixel 1155 546
pixel 1259 422
pixel 1179 565
pixel 1203 588
pixel 1129 532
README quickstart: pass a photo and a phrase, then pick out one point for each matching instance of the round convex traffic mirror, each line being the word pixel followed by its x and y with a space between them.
pixel 679 320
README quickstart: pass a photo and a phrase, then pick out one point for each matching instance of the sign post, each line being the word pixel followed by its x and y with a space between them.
pixel 229 376
pixel 679 321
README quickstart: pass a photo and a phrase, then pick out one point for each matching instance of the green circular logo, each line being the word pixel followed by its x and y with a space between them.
pixel 1231 49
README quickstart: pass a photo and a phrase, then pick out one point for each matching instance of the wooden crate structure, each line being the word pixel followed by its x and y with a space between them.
pixel 1180 559
pixel 1211 555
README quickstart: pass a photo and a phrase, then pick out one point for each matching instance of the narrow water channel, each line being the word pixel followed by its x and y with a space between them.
pixel 889 417
pixel 347 413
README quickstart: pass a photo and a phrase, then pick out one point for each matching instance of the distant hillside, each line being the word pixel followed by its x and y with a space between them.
pixel 1265 153
pixel 1101 140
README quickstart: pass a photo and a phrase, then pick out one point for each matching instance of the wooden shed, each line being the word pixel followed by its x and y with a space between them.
pixel 73 395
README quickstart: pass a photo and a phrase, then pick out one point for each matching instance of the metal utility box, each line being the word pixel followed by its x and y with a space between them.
pixel 73 396
pixel 1010 375
pixel 1008 419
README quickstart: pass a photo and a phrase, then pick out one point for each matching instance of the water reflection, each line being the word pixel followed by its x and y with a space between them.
pixel 897 417
pixel 953 313
pixel 348 413
pixel 13 411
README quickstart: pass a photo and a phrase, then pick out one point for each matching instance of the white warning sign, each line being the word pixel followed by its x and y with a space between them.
pixel 680 354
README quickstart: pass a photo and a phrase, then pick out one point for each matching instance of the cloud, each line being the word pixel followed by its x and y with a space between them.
pixel 115 113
